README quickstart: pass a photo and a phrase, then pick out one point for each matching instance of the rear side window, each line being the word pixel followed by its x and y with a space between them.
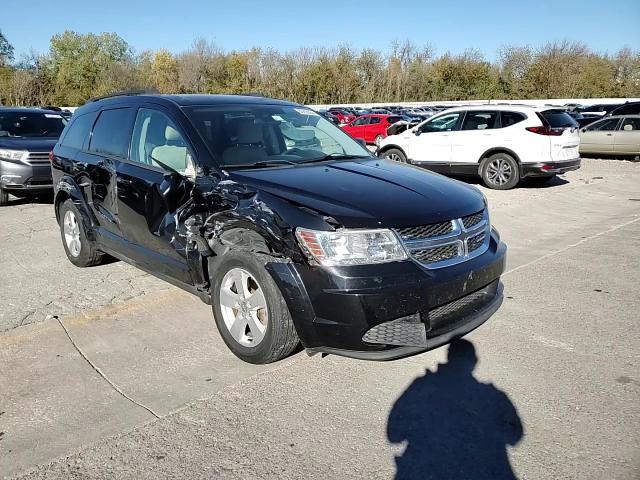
pixel 479 120
pixel 511 118
pixel 374 120
pixel 78 131
pixel 558 119
pixel 630 124
pixel 112 132
pixel 607 125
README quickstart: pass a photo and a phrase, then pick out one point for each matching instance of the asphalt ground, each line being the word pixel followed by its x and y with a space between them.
pixel 110 373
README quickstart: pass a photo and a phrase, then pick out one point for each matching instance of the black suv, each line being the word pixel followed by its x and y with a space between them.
pixel 289 228
pixel 27 136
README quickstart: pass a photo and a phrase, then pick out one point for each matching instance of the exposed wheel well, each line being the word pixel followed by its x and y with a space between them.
pixel 61 197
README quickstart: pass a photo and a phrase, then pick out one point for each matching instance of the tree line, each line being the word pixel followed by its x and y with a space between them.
pixel 81 66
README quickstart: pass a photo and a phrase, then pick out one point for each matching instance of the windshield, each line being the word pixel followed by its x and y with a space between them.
pixel 31 124
pixel 244 135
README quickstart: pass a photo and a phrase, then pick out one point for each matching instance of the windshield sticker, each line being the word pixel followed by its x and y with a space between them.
pixel 306 111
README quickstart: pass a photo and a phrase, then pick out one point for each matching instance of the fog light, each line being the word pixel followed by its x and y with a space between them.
pixel 8 178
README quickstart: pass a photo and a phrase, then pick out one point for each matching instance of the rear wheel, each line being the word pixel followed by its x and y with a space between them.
pixel 80 251
pixel 250 312
pixel 4 198
pixel 395 155
pixel 500 172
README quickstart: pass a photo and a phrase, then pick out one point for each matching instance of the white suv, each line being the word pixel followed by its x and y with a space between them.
pixel 501 143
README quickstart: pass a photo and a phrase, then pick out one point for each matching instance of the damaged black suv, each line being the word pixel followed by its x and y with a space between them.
pixel 288 227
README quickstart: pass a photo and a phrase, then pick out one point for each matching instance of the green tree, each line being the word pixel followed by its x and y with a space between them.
pixel 6 50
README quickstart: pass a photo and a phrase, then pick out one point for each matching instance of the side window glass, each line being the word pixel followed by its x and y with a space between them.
pixel 111 132
pixel 511 118
pixel 475 120
pixel 156 141
pixel 604 126
pixel 361 121
pixel 445 123
pixel 78 131
pixel 631 125
pixel 374 120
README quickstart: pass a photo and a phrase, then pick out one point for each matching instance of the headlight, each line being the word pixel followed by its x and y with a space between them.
pixel 18 155
pixel 351 247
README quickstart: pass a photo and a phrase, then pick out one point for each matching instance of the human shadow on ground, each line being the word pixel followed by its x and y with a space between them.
pixel 455 427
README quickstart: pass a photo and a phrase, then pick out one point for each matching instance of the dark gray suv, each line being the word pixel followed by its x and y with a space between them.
pixel 27 136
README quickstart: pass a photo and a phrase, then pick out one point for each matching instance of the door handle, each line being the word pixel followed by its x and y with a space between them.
pixel 609 134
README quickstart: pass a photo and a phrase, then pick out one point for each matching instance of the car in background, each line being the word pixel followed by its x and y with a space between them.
pixel 629 108
pixel 372 128
pixel 329 116
pixel 500 143
pixel 619 135
pixel 581 119
pixel 598 109
pixel 343 115
pixel 27 136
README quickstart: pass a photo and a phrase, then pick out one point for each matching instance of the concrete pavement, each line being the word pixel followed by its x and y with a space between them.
pixel 562 353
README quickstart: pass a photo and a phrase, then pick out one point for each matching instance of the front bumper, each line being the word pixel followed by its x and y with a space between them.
pixel 334 308
pixel 550 168
pixel 23 178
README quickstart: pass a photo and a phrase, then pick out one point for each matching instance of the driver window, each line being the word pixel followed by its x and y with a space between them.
pixel 361 121
pixel 157 142
pixel 445 123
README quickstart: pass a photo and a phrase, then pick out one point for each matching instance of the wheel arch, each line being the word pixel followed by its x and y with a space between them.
pixel 68 189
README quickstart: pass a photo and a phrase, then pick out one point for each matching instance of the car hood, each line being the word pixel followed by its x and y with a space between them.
pixel 368 194
pixel 41 144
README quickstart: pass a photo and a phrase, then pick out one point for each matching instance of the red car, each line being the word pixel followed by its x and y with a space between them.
pixel 372 127
pixel 343 115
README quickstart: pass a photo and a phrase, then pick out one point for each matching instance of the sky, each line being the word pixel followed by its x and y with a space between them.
pixel 447 25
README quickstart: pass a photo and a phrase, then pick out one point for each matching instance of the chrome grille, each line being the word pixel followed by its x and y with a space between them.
pixel 37 158
pixel 475 242
pixel 471 220
pixel 436 254
pixel 447 243
pixel 425 231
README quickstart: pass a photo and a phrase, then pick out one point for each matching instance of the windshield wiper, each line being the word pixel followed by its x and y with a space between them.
pixel 334 156
pixel 262 164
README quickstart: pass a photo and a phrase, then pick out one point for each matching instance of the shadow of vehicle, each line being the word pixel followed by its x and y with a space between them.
pixel 530 182
pixel 42 199
pixel 455 427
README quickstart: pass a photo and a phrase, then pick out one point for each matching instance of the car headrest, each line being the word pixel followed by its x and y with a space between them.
pixel 171 134
pixel 249 133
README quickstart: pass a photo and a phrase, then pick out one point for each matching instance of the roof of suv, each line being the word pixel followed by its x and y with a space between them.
pixel 503 107
pixel 185 100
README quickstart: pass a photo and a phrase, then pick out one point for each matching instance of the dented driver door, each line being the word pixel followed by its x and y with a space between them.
pixel 148 218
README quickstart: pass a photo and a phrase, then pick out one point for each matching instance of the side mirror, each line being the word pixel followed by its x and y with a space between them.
pixel 417 132
pixel 583 130
pixel 361 142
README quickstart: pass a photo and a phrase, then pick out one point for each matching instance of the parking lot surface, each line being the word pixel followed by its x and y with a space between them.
pixel 107 372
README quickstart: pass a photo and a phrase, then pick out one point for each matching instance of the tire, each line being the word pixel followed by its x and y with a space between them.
pixel 80 251
pixel 378 139
pixel 500 172
pixel 395 155
pixel 4 198
pixel 264 335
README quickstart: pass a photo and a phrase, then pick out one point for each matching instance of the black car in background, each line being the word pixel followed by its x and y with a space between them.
pixel 291 230
pixel 27 136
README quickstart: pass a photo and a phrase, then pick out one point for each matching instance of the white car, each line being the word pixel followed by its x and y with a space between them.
pixel 501 143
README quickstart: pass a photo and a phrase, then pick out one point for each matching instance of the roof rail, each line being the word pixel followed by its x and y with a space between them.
pixel 124 94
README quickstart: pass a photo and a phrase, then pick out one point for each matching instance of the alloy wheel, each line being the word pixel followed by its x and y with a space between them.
pixel 72 233
pixel 394 157
pixel 244 307
pixel 499 171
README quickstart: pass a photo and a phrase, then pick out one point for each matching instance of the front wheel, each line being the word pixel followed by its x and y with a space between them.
pixel 250 312
pixel 500 172
pixel 80 251
pixel 395 155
